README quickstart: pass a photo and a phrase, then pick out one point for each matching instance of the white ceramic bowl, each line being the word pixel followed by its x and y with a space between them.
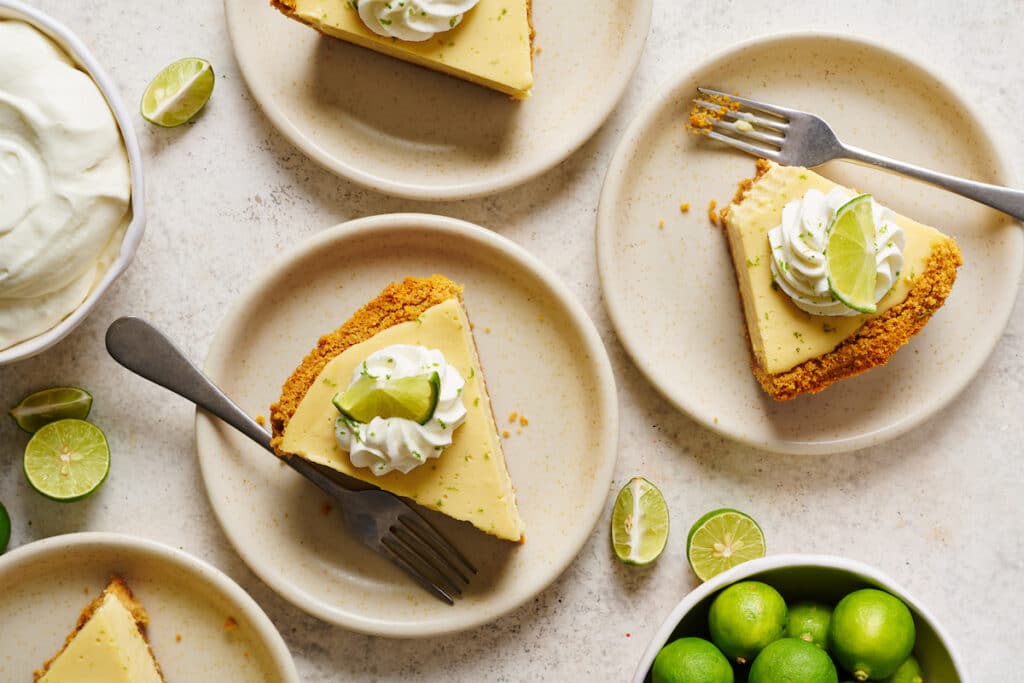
pixel 15 9
pixel 818 577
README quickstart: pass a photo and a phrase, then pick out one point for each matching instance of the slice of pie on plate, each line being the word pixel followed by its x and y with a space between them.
pixel 108 644
pixel 450 459
pixel 489 42
pixel 802 338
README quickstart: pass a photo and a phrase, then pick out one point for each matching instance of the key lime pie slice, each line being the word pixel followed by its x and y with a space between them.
pixel 488 42
pixel 108 644
pixel 832 282
pixel 396 397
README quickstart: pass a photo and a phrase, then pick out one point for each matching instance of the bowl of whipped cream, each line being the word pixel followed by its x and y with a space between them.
pixel 71 188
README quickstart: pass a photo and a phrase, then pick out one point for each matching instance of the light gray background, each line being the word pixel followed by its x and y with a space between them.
pixel 938 509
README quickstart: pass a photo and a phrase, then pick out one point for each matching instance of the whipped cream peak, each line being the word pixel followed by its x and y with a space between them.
pixel 798 251
pixel 396 443
pixel 412 20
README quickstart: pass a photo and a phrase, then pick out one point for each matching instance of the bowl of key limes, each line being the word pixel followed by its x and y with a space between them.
pixel 800 619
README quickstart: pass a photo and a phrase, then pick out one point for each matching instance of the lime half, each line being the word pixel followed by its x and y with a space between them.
pixel 49 405
pixel 722 539
pixel 639 522
pixel 5 528
pixel 850 255
pixel 412 398
pixel 67 460
pixel 178 92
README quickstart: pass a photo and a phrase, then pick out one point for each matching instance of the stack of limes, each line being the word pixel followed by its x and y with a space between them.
pixel 869 634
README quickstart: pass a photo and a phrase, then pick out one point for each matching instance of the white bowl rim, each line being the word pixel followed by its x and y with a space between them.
pixel 771 562
pixel 615 177
pixel 253 613
pixel 16 9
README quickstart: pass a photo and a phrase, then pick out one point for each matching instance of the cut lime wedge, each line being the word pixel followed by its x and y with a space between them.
pixel 178 92
pixel 49 405
pixel 850 255
pixel 722 539
pixel 67 460
pixel 639 522
pixel 5 529
pixel 412 398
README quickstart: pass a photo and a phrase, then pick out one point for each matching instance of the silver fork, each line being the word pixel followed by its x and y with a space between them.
pixel 379 519
pixel 798 138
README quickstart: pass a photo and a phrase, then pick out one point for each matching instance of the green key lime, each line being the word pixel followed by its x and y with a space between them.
pixel 178 92
pixel 745 618
pixel 639 522
pixel 795 661
pixel 872 633
pixel 5 528
pixel 412 398
pixel 809 621
pixel 691 660
pixel 850 255
pixel 908 672
pixel 67 460
pixel 722 539
pixel 49 405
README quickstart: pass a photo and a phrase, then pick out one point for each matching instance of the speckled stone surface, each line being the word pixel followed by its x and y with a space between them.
pixel 938 509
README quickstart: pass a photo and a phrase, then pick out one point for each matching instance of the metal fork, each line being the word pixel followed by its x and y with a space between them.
pixel 798 138
pixel 379 519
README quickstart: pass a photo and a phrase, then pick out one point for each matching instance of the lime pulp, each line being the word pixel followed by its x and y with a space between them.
pixel 49 405
pixel 639 522
pixel 722 539
pixel 850 255
pixel 413 398
pixel 178 92
pixel 67 460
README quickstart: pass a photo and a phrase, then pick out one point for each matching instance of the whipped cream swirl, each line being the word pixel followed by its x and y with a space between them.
pixel 798 251
pixel 413 20
pixel 396 443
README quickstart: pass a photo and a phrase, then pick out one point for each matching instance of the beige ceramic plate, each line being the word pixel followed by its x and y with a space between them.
pixel 412 132
pixel 542 358
pixel 672 295
pixel 47 583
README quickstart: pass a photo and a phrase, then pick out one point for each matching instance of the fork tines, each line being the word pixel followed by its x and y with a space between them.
pixel 427 557
pixel 755 127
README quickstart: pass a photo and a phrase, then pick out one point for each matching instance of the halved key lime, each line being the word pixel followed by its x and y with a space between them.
pixel 48 405
pixel 5 529
pixel 722 539
pixel 639 522
pixel 850 255
pixel 178 92
pixel 67 460
pixel 412 398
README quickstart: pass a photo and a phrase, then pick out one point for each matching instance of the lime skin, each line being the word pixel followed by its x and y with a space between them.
pixel 745 618
pixel 809 621
pixel 691 660
pixel 794 661
pixel 908 672
pixel 5 529
pixel 872 634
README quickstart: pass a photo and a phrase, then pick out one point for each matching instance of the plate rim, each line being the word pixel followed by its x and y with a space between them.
pixel 612 192
pixel 40 550
pixel 527 263
pixel 577 137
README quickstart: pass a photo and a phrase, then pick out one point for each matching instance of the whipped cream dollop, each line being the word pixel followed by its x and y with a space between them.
pixel 64 184
pixel 396 443
pixel 413 20
pixel 798 250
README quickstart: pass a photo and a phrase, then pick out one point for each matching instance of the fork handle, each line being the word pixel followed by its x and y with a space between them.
pixel 1001 198
pixel 147 352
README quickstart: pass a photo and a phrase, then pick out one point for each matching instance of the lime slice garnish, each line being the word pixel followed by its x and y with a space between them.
pixel 49 405
pixel 67 460
pixel 850 255
pixel 412 398
pixel 639 522
pixel 5 528
pixel 178 92
pixel 722 539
